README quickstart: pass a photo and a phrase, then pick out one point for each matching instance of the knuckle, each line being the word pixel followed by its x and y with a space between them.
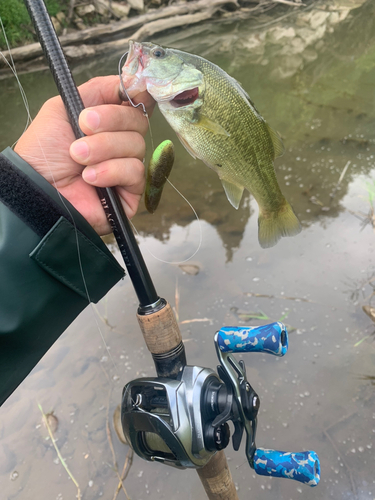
pixel 140 144
pixel 139 168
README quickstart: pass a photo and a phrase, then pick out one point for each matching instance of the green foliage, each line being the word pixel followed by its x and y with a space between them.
pixel 16 21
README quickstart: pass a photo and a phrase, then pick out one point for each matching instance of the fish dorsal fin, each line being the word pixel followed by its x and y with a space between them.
pixel 233 192
pixel 186 146
pixel 212 126
pixel 278 145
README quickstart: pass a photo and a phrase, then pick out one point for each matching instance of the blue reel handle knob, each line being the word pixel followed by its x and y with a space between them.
pixel 272 338
pixel 303 467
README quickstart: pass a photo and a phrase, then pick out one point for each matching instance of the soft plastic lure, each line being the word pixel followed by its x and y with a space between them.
pixel 159 168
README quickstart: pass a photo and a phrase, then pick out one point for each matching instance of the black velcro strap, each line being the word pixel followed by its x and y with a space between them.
pixel 27 200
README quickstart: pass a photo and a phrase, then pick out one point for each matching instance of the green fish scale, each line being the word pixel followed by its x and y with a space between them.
pixel 246 156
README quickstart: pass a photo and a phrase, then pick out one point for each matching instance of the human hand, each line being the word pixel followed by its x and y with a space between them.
pixel 112 152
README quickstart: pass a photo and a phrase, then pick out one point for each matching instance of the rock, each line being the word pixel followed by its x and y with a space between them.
pixel 56 25
pixel 120 10
pixel 255 45
pixel 118 425
pixel 52 421
pixel 60 16
pixel 191 269
pixel 308 35
pixel 318 18
pixel 277 33
pixel 79 23
pixel 136 5
pixel 310 55
pixel 102 7
pixel 84 10
pixel 288 66
pixel 295 46
pixel 334 18
pixel 107 8
pixel 370 311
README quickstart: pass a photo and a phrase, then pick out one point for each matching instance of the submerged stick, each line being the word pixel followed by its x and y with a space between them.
pixel 125 471
pixel 339 181
pixel 45 420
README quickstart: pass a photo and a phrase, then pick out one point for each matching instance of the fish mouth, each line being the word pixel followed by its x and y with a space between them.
pixel 134 62
pixel 185 98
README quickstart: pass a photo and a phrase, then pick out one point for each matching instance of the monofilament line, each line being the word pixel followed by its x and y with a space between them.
pixel 200 233
pixel 29 120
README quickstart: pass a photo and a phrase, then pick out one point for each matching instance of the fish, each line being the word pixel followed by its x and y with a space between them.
pixel 216 121
pixel 158 171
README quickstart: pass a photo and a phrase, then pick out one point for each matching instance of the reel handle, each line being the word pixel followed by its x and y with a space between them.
pixel 271 338
pixel 303 466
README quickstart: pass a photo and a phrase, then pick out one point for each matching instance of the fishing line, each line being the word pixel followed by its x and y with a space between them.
pixel 12 67
pixel 174 187
pixel 29 121
pixel 200 232
pixel 124 89
pixel 131 102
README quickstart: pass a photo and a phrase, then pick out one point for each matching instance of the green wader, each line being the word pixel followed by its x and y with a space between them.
pixel 41 285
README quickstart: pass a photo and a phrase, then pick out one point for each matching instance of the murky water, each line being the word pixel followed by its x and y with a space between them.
pixel 312 76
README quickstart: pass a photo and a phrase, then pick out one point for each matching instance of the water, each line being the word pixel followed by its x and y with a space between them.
pixel 312 76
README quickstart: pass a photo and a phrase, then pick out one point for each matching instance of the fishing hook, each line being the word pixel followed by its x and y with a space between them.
pixel 124 89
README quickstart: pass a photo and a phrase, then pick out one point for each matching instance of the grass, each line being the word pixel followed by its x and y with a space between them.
pixel 16 20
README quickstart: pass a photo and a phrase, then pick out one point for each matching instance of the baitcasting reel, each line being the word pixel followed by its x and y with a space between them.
pixel 182 422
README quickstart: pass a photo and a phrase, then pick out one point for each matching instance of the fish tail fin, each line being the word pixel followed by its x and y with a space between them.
pixel 273 225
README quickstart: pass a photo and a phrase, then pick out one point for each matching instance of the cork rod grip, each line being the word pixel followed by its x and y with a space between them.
pixel 217 479
pixel 160 330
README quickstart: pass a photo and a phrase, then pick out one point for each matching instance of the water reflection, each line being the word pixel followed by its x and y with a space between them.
pixel 315 397
pixel 309 79
pixel 312 83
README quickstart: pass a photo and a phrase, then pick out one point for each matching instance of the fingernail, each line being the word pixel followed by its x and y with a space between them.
pixel 80 150
pixel 89 174
pixel 92 120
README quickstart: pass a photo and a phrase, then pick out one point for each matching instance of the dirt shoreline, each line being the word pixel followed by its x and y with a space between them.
pixel 102 38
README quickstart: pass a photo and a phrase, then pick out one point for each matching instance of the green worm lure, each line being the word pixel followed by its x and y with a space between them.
pixel 159 168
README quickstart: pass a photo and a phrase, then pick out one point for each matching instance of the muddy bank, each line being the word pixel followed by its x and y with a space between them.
pixel 121 21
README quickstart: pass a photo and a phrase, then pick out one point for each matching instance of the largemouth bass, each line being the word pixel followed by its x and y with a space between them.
pixel 217 123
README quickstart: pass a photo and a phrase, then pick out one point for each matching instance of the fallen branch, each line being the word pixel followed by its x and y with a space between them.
pixel 125 471
pixel 124 28
pixel 109 437
pixel 45 420
pixel 339 181
pixel 161 25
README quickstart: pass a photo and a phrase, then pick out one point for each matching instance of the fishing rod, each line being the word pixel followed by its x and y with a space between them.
pixel 155 316
pixel 180 418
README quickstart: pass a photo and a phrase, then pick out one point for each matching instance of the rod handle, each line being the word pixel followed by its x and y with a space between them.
pixel 303 466
pixel 271 338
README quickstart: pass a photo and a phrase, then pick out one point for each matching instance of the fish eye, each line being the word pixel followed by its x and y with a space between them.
pixel 158 52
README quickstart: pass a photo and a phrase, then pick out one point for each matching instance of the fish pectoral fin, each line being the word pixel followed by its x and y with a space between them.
pixel 186 146
pixel 233 192
pixel 278 145
pixel 212 126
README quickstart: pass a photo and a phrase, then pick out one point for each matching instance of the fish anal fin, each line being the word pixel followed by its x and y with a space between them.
pixel 273 225
pixel 186 146
pixel 233 192
pixel 212 126
pixel 278 145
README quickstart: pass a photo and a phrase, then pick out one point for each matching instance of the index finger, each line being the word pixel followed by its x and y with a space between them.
pixel 105 90
pixel 146 99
